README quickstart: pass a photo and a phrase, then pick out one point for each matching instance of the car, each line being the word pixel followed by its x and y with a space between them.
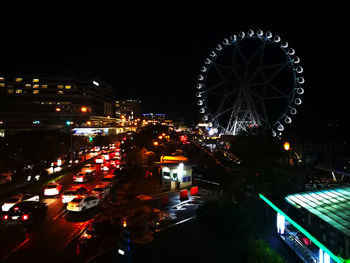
pixel 18 198
pixel 25 213
pixel 110 178
pixel 83 177
pixel 53 189
pixel 72 193
pixel 102 190
pixel 89 168
pixel 82 203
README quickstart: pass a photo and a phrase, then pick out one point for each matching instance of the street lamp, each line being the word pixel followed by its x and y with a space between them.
pixel 286 146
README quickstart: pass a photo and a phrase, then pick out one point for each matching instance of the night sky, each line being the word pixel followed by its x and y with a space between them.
pixel 157 58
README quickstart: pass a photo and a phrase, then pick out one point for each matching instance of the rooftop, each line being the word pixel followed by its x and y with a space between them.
pixel 331 205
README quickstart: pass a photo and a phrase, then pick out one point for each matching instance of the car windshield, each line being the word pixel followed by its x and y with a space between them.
pixel 77 200
pixel 51 186
pixel 13 200
pixel 106 179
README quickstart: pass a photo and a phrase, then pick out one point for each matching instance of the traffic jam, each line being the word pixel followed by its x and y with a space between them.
pixel 74 198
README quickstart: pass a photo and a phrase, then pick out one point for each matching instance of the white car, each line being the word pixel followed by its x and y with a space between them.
pixel 68 195
pixel 81 204
pixel 53 189
pixel 18 198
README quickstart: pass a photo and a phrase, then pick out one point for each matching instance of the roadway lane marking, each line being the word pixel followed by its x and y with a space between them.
pixel 175 224
pixel 59 214
pixel 16 248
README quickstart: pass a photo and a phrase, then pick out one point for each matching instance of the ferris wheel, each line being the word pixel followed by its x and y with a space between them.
pixel 252 79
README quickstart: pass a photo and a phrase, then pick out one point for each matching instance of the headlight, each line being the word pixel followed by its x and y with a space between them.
pixel 28 178
pixel 37 177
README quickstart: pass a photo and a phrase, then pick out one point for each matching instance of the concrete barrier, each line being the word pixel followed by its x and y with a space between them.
pixel 194 190
pixel 183 195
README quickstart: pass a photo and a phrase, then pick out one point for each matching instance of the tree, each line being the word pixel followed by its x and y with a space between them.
pixel 260 252
pixel 224 220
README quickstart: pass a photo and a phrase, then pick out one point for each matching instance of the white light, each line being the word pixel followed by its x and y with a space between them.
pixel 199 86
pixel 198 94
pixel 207 61
pixel 276 39
pixel 218 47
pixel 301 80
pixel 297 101
pixel 212 54
pixel 96 83
pixel 121 252
pixel 320 256
pixel 202 110
pixel 250 33
pixel 200 77
pixel 241 34
pixel 284 44
pixel 225 41
pixel 299 69
pixel 280 127
pixel 268 34
pixel 287 120
pixel 203 69
pixel 259 32
pixel 205 118
pixel 296 60
pixel 326 258
pixel 293 111
pixel 233 37
pixel 211 132
pixel 291 51
pixel 274 133
pixel 300 90
pixel 199 102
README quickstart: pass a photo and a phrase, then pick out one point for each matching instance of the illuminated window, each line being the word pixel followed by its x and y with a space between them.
pixel 35 86
pixel 60 86
pixel 35 91
pixel 10 91
pixel 35 80
pixel 60 92
pixel 18 91
pixel 68 86
pixel 18 79
pixel 2 78
pixel 44 86
pixel 28 85
pixel 2 84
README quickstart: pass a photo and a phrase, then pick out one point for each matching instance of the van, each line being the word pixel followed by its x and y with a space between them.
pixel 110 178
pixel 102 190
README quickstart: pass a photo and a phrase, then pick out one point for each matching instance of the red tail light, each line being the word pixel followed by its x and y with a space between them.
pixel 74 177
pixel 25 217
pixel 16 208
pixel 5 217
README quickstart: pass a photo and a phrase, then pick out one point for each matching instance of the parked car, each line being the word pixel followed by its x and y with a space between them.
pixel 81 203
pixel 25 213
pixel 18 198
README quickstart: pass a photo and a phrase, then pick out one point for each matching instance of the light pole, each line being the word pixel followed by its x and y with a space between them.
pixel 71 139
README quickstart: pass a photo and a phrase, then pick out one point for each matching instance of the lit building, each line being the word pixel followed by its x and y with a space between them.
pixel 29 101
pixel 158 117
pixel 315 224
pixel 130 109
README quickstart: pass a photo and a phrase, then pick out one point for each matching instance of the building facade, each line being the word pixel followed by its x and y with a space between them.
pixel 129 109
pixel 28 101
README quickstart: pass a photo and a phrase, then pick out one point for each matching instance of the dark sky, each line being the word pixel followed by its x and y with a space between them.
pixel 157 58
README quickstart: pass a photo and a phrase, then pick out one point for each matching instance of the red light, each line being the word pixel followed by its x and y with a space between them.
pixel 25 217
pixel 124 138
pixel 16 208
pixel 6 217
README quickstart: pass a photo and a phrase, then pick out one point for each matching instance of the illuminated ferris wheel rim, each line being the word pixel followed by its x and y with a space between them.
pixel 292 61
